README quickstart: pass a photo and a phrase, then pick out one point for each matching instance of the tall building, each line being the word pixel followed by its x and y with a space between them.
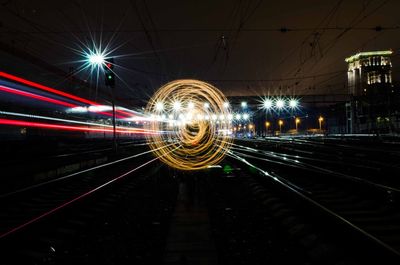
pixel 369 73
pixel 369 79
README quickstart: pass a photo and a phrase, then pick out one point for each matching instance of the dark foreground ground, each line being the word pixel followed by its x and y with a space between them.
pixel 271 201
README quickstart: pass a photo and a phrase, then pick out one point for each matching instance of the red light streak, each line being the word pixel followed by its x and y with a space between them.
pixel 31 95
pixel 58 92
pixel 70 127
pixel 45 88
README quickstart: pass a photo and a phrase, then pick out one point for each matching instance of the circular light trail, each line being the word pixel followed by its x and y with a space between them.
pixel 192 138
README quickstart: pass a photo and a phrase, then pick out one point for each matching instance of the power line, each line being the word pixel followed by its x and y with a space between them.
pixel 277 79
pixel 206 30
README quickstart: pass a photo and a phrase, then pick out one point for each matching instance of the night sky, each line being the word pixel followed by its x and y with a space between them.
pixel 243 47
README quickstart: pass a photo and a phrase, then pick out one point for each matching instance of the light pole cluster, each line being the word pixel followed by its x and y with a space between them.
pixel 279 104
pixel 297 122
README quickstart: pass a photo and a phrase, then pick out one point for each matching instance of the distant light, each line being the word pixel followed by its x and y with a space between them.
pixel 230 116
pixel 99 108
pixel 245 116
pixel 206 105
pixel 267 104
pixel 176 105
pixel 221 117
pixel 280 103
pixel 159 106
pixel 293 103
pixel 226 104
pixel 191 105
pixel 238 116
pixel 214 117
pixel 244 104
pixel 96 59
pixel 78 110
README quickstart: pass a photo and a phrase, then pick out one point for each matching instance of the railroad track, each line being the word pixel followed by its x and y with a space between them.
pixel 258 220
pixel 374 165
pixel 25 171
pixel 366 210
pixel 114 214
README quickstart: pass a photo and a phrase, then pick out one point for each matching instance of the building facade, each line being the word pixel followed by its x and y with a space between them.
pixel 370 85
pixel 369 73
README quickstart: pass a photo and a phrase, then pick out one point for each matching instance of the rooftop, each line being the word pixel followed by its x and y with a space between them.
pixel 366 54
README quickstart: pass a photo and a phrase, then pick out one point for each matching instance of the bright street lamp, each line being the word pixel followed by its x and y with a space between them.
pixel 176 105
pixel 267 104
pixel 320 120
pixel 297 121
pixel 96 59
pixel 293 103
pixel 159 106
pixel 267 125
pixel 280 103
pixel 280 125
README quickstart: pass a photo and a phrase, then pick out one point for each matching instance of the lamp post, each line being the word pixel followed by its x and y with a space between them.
pixel 280 126
pixel 297 121
pixel 267 124
pixel 320 120
pixel 110 82
pixel 251 128
pixel 98 60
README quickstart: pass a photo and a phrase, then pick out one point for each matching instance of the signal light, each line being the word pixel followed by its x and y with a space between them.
pixel 109 73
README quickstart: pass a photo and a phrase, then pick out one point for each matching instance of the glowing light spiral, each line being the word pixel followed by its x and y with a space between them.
pixel 194 124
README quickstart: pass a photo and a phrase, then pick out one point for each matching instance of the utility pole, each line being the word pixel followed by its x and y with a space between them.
pixel 110 82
